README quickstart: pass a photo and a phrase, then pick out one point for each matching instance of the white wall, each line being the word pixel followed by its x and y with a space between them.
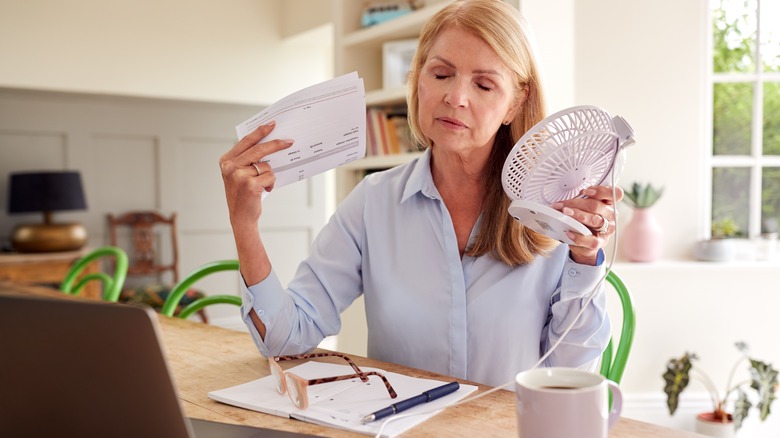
pixel 231 51
pixel 553 24
pixel 645 61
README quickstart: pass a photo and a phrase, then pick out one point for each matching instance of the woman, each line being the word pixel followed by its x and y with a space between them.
pixel 452 283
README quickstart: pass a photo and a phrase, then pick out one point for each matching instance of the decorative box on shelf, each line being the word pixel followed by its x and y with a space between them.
pixel 376 12
pixel 396 61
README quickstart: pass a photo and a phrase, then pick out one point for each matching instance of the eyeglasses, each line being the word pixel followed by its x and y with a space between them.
pixel 296 386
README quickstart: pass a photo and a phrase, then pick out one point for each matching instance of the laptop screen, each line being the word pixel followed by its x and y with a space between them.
pixel 85 368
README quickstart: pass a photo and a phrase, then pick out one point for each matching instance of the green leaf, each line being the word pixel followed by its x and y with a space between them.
pixel 642 196
pixel 741 408
pixel 765 383
pixel 677 377
pixel 724 227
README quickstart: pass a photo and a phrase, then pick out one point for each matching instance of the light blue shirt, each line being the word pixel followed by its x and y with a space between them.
pixel 393 241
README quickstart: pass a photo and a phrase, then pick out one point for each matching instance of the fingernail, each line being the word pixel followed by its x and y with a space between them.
pixel 271 123
pixel 288 141
pixel 557 205
pixel 568 211
pixel 589 192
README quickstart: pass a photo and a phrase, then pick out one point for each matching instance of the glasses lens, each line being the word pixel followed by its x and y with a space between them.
pixel 276 373
pixel 294 391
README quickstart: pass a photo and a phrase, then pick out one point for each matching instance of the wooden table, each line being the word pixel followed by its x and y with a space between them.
pixel 203 358
pixel 47 268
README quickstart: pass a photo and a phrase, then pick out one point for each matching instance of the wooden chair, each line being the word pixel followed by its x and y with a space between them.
pixel 149 278
pixel 112 285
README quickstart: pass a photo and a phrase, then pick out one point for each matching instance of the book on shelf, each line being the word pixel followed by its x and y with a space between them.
pixel 387 132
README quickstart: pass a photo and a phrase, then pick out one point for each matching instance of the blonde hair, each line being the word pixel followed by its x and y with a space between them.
pixel 502 28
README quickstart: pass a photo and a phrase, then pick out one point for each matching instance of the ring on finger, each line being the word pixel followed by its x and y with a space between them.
pixel 604 225
pixel 256 168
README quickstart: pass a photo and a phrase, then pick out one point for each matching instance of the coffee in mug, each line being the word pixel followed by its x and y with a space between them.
pixel 565 403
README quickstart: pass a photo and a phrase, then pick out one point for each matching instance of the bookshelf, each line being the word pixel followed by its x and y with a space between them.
pixel 360 49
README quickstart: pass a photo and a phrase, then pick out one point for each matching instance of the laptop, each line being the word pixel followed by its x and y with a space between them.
pixel 92 369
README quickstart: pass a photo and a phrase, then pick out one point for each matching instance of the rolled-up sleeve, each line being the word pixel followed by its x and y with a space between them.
pixel 299 317
pixel 583 345
pixel 274 301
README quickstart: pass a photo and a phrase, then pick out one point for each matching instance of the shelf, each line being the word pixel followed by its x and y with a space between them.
pixel 381 161
pixel 361 49
pixel 407 26
pixel 381 97
pixel 696 265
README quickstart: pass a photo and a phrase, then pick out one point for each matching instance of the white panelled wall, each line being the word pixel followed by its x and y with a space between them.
pixel 142 153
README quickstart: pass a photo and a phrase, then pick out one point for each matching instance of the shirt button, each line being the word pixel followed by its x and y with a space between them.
pixel 260 312
pixel 572 272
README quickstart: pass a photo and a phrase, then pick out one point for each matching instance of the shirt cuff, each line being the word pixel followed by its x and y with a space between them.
pixel 579 280
pixel 600 257
pixel 264 298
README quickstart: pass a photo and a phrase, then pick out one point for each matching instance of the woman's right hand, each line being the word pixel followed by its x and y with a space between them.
pixel 246 178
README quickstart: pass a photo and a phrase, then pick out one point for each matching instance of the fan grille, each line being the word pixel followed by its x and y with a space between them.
pixel 564 153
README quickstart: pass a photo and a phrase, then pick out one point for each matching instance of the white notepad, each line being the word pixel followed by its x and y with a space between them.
pixel 341 404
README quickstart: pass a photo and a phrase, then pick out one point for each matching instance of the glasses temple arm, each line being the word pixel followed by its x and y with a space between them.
pixel 354 366
pixel 388 386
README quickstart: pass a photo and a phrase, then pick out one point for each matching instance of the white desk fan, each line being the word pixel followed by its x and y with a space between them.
pixel 566 152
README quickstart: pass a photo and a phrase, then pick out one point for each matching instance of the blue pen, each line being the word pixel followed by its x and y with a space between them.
pixel 403 405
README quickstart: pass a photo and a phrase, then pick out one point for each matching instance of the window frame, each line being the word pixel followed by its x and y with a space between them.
pixel 756 161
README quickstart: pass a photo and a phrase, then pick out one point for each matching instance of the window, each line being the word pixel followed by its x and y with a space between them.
pixel 745 122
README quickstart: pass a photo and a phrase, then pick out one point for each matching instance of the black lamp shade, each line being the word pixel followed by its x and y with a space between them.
pixel 45 191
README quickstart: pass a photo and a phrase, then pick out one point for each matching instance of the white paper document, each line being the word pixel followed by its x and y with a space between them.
pixel 342 404
pixel 327 121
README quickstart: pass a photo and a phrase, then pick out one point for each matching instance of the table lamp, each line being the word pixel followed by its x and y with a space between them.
pixel 46 192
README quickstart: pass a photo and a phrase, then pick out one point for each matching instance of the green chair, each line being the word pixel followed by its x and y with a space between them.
pixel 112 286
pixel 181 288
pixel 613 365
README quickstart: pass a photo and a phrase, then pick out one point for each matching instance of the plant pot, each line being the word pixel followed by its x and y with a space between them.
pixel 641 239
pixel 715 250
pixel 706 424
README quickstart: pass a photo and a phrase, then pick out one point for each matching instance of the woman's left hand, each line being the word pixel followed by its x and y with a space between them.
pixel 597 212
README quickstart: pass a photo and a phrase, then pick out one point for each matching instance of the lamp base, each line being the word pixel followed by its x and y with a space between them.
pixel 49 237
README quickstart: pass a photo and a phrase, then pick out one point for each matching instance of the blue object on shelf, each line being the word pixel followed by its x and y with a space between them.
pixel 379 13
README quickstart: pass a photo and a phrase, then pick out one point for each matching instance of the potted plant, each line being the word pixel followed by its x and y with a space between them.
pixel 720 247
pixel 724 228
pixel 642 196
pixel 763 380
pixel 641 239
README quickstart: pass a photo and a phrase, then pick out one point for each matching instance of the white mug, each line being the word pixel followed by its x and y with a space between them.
pixel 565 402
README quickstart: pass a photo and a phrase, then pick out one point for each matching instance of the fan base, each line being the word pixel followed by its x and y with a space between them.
pixel 545 220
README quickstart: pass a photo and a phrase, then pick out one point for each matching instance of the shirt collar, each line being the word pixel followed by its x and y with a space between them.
pixel 421 179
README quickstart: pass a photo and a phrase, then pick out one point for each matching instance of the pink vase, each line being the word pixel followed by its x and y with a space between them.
pixel 641 238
